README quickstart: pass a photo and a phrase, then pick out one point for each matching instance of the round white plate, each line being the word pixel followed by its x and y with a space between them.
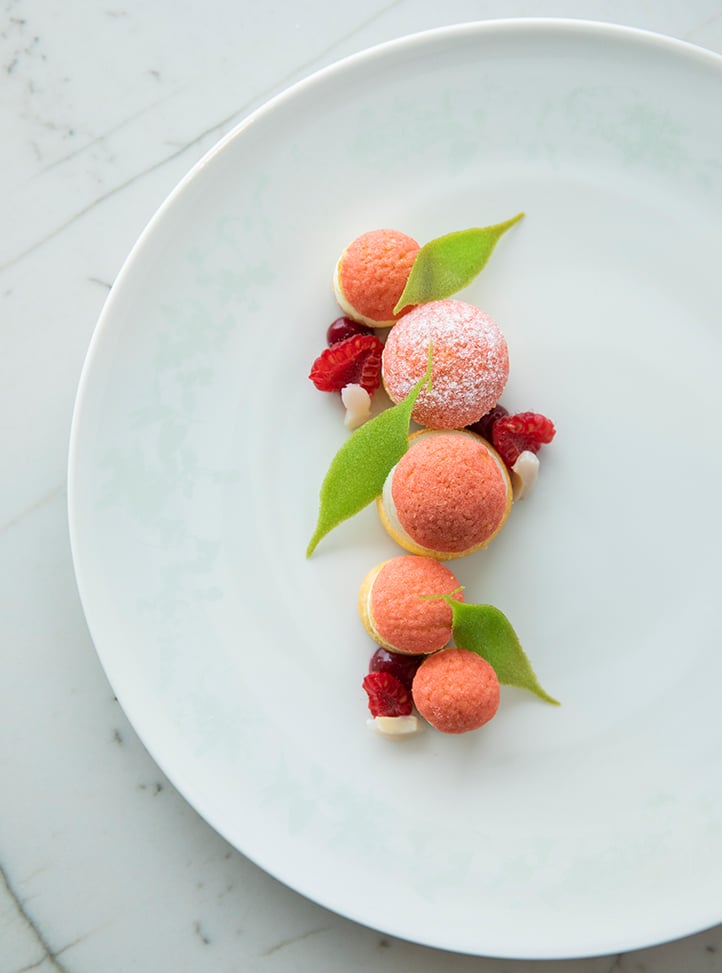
pixel 199 445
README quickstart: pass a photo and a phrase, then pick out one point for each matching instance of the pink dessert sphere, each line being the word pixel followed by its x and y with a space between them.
pixel 456 691
pixel 371 274
pixel 450 492
pixel 405 618
pixel 470 362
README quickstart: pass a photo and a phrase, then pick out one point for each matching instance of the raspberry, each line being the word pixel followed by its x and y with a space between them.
pixel 387 695
pixel 511 435
pixel 355 360
pixel 486 424
pixel 399 664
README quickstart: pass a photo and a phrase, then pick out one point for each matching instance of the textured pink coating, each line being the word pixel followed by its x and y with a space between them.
pixel 401 616
pixel 373 272
pixel 456 691
pixel 470 362
pixel 449 492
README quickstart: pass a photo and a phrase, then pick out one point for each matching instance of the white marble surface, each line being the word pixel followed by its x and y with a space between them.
pixel 103 107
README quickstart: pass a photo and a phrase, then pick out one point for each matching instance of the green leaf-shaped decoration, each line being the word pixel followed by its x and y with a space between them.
pixel 445 265
pixel 488 632
pixel 359 469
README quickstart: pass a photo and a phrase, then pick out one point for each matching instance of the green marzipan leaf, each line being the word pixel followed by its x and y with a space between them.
pixel 445 265
pixel 488 632
pixel 359 469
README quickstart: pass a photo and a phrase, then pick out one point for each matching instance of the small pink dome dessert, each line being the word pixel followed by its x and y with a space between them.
pixel 449 495
pixel 456 691
pixel 395 612
pixel 371 274
pixel 470 363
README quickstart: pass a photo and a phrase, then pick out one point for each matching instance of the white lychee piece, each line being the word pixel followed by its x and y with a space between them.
pixel 524 473
pixel 395 726
pixel 358 405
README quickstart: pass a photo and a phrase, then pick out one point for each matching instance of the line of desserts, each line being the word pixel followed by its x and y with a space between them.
pixel 446 491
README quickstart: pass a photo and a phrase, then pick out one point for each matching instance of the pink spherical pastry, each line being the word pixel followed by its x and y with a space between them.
pixel 371 274
pixel 394 610
pixel 456 691
pixel 470 363
pixel 449 495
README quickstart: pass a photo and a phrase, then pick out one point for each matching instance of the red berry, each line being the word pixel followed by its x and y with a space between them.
pixel 485 425
pixel 387 695
pixel 355 360
pixel 399 664
pixel 512 435
pixel 343 328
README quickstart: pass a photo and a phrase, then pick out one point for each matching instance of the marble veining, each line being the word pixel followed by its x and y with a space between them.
pixel 22 917
pixel 103 865
pixel 202 140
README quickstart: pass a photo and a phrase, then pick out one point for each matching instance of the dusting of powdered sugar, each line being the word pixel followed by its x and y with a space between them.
pixel 470 362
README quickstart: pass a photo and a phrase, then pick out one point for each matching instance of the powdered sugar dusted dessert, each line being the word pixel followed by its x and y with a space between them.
pixel 470 363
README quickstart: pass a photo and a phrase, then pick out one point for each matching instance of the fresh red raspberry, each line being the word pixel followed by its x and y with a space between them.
pixel 387 695
pixel 486 424
pixel 355 360
pixel 511 435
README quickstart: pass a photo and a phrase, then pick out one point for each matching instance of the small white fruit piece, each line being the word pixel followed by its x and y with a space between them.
pixel 395 726
pixel 358 405
pixel 524 473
